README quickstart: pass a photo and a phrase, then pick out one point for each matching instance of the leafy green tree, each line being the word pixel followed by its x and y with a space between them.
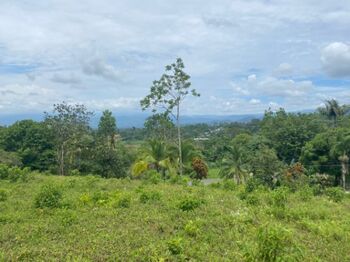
pixel 68 124
pixel 32 142
pixel 10 158
pixel 288 132
pixel 111 162
pixel 168 93
pixel 333 110
pixel 328 151
pixel 159 126
pixel 107 128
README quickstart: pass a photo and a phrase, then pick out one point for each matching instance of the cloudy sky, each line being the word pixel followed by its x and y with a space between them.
pixel 244 56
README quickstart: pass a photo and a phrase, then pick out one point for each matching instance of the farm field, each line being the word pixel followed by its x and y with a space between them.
pixel 53 218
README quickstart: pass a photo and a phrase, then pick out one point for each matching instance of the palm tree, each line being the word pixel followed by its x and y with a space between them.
pixel 333 110
pixel 188 153
pixel 153 155
pixel 232 165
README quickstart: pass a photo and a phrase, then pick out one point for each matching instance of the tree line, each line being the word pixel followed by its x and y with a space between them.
pixel 279 148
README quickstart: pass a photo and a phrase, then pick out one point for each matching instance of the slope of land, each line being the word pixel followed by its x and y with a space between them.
pixel 92 219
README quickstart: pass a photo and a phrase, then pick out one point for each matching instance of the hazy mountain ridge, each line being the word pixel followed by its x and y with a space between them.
pixel 137 120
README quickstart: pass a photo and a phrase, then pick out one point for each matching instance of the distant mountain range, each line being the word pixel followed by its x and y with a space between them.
pixel 137 119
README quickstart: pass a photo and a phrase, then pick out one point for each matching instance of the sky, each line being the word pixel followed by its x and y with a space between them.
pixel 244 56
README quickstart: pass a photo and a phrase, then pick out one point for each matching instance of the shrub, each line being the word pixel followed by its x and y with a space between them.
pixel 149 196
pixel 191 228
pixel 280 197
pixel 200 168
pixel 335 194
pixel 50 196
pixel 294 177
pixel 175 246
pixel 189 204
pixel 74 172
pixel 180 180
pixel 252 199
pixel 306 193
pixel 100 197
pixel 229 185
pixel 85 199
pixel 3 195
pixel 274 244
pixel 252 184
pixel 321 180
pixel 152 177
pixel 123 201
pixel 4 171
pixel 16 173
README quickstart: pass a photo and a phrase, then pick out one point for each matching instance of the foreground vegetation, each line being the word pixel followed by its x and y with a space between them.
pixel 45 218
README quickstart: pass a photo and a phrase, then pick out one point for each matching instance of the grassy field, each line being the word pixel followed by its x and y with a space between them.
pixel 51 218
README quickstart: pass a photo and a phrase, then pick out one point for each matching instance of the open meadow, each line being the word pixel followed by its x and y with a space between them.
pixel 53 218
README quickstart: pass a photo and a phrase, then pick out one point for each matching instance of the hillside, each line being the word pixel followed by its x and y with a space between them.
pixel 93 219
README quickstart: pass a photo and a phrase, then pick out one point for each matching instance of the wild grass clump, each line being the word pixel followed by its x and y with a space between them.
pixel 3 195
pixel 275 244
pixel 335 194
pixel 149 196
pixel 192 228
pixel 50 196
pixel 190 203
pixel 175 246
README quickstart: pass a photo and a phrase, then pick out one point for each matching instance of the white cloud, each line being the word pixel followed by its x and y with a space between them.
pixel 98 67
pixel 284 69
pixel 69 78
pixel 254 101
pixel 120 47
pixel 336 59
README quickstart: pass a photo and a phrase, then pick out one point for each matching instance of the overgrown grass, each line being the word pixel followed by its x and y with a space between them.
pixel 91 219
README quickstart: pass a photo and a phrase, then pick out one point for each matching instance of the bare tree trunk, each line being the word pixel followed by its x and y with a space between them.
pixel 344 159
pixel 62 161
pixel 179 137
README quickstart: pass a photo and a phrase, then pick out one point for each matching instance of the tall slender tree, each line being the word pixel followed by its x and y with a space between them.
pixel 167 94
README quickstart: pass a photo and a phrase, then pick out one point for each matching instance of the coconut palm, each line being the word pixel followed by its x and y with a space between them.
pixel 153 155
pixel 188 153
pixel 232 165
pixel 333 110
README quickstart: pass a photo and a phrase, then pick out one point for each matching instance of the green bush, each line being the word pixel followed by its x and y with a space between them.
pixel 149 196
pixel 191 228
pixel 152 177
pixel 175 246
pixel 100 197
pixel 16 173
pixel 252 199
pixel 3 195
pixel 229 184
pixel 252 184
pixel 189 204
pixel 74 172
pixel 335 194
pixel 274 244
pixel 280 197
pixel 123 201
pixel 305 193
pixel 50 196
pixel 4 171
